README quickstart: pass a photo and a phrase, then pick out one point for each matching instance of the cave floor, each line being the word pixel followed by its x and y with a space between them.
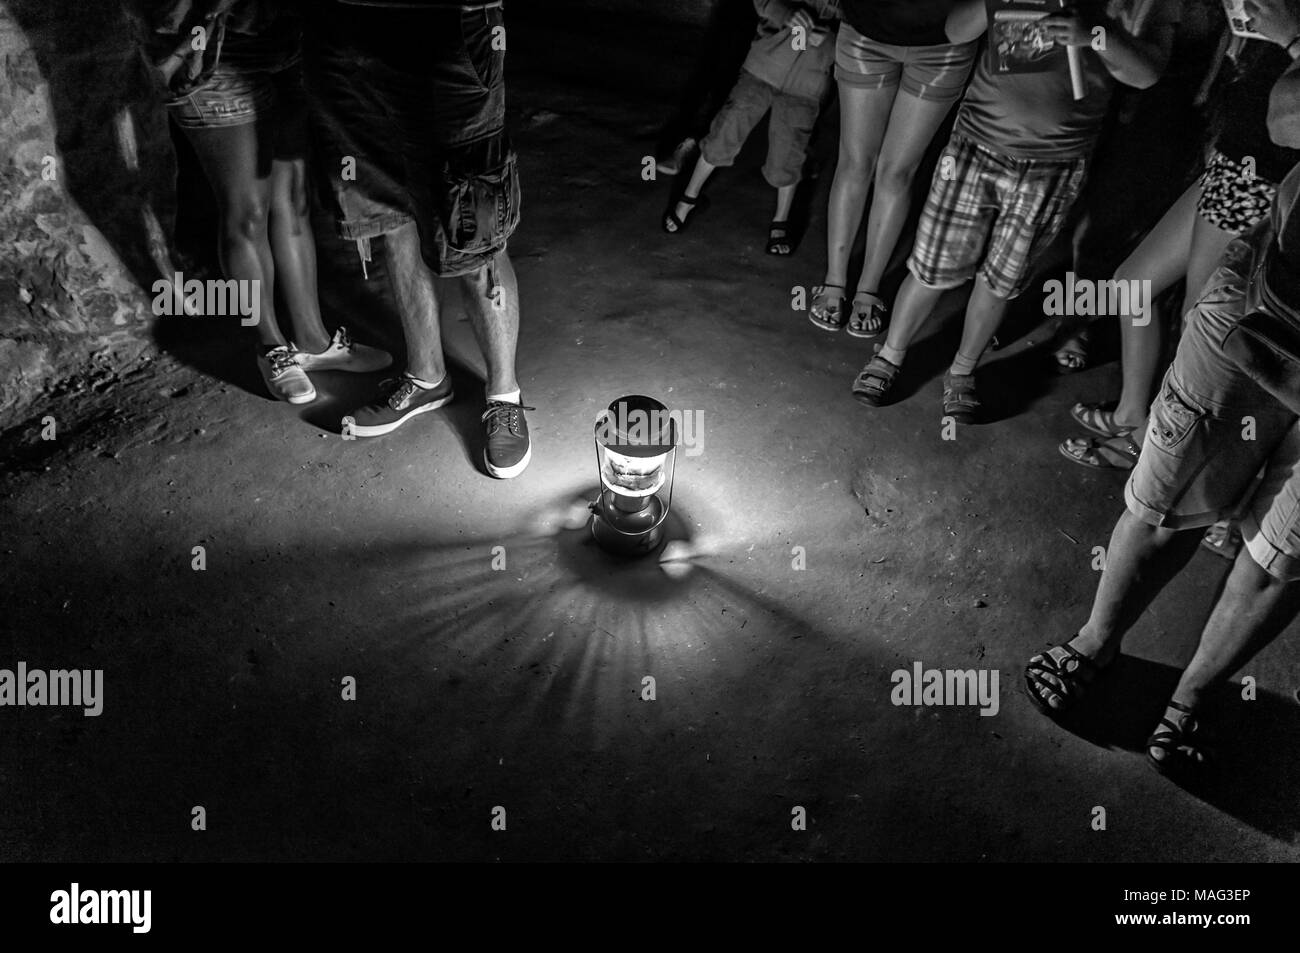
pixel 817 547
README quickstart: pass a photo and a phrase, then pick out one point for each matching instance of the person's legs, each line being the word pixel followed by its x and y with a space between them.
pixel 491 297
pixel 864 117
pixel 1162 258
pixel 417 304
pixel 293 247
pixel 237 163
pixel 912 125
pixel 984 313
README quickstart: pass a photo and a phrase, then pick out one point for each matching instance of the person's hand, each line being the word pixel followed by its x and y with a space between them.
pixel 1279 20
pixel 803 18
pixel 1067 29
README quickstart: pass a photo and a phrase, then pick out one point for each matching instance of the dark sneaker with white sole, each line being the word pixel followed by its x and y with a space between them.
pixel 399 399
pixel 506 447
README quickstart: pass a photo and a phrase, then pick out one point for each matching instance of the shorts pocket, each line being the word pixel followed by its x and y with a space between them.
pixel 481 211
pixel 1173 417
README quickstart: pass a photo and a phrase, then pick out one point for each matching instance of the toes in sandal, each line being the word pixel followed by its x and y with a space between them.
pixel 873 381
pixel 778 239
pixel 1182 741
pixel 1073 673
pixel 868 317
pixel 1091 452
pixel 822 312
pixel 960 401
pixel 1098 418
pixel 674 225
pixel 1072 356
pixel 1223 539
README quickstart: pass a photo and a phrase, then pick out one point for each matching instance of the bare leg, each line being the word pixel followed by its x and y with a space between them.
pixel 916 302
pixel 294 249
pixel 784 200
pixel 1250 612
pixel 417 304
pixel 864 116
pixel 912 125
pixel 495 328
pixel 984 313
pixel 1162 259
pixel 699 175
pixel 237 164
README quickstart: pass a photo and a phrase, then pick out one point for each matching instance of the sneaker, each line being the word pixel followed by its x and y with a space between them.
pixel 284 378
pixel 399 399
pixel 672 164
pixel 506 447
pixel 345 354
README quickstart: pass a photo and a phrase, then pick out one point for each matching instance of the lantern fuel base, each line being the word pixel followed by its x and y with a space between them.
pixel 636 451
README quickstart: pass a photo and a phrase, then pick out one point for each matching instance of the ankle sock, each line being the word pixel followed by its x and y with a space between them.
pixel 510 397
pixel 894 355
pixel 962 365
pixel 423 384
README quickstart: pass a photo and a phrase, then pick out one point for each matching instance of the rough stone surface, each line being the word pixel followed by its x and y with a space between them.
pixel 85 184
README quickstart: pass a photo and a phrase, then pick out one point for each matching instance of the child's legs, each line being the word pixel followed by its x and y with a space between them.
pixel 864 117
pixel 789 129
pixel 750 98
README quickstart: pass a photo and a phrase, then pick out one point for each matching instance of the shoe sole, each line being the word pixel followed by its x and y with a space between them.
pixel 318 368
pixel 301 398
pixel 823 325
pixel 505 473
pixel 378 430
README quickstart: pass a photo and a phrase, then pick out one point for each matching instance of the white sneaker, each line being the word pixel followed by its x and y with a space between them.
pixel 284 378
pixel 345 354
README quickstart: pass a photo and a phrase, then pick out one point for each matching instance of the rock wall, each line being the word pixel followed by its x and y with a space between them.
pixel 86 173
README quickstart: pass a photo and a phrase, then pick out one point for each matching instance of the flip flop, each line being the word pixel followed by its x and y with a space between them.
pixel 822 313
pixel 1089 454
pixel 868 317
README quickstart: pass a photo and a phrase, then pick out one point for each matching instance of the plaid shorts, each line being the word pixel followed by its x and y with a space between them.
pixel 991 215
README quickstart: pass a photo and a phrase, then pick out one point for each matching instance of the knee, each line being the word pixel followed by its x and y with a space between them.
pixel 894 179
pixel 857 164
pixel 245 218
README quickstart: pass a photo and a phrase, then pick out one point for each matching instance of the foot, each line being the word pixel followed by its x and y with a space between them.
pixel 826 310
pixel 960 400
pixel 285 379
pixel 671 163
pixel 1073 354
pixel 675 220
pixel 1120 452
pixel 1103 419
pixel 778 238
pixel 868 317
pixel 1223 539
pixel 398 400
pixel 1178 745
pixel 345 354
pixel 506 445
pixel 873 381
pixel 1059 678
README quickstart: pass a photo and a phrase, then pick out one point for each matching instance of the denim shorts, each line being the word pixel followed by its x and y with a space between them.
pixel 1213 430
pixel 409 110
pixel 934 73
pixel 254 77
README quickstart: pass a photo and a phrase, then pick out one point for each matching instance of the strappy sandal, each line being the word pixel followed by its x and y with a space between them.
pixel 1074 673
pixel 827 316
pixel 1087 451
pixel 1098 418
pixel 868 317
pixel 674 225
pixel 960 401
pixel 778 239
pixel 1183 743
pixel 1223 539
pixel 873 381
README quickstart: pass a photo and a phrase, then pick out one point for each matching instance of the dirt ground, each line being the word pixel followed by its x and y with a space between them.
pixel 521 688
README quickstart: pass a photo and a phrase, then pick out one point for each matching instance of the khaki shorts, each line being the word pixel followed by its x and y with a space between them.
pixel 1213 430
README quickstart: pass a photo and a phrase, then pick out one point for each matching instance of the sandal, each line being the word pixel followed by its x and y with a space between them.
pixel 1072 356
pixel 1074 672
pixel 674 225
pixel 1182 741
pixel 1088 452
pixel 873 381
pixel 868 317
pixel 960 401
pixel 1098 418
pixel 1223 539
pixel 778 239
pixel 827 316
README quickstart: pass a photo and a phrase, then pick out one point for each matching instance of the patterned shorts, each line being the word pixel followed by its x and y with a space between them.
pixel 1232 198
pixel 991 215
